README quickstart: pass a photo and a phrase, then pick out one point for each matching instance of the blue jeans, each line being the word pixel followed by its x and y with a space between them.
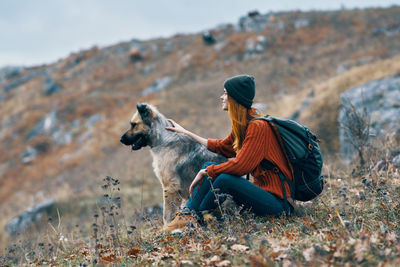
pixel 243 192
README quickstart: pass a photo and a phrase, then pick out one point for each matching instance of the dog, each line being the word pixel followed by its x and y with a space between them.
pixel 177 158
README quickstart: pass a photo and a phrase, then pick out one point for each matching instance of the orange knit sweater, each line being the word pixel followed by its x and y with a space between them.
pixel 260 143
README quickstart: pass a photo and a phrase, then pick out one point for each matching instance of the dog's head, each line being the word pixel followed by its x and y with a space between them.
pixel 137 134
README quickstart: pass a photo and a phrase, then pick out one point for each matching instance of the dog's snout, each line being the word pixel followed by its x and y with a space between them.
pixel 123 139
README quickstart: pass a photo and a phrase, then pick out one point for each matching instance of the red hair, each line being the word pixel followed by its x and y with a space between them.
pixel 241 117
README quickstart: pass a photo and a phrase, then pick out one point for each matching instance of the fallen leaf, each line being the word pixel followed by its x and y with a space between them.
pixel 287 263
pixel 239 248
pixel 309 253
pixel 257 260
pixel 223 263
pixel 361 248
pixel 133 252
pixel 110 258
pixel 213 260
pixel 391 237
pixel 275 254
pixel 187 262
pixel 169 249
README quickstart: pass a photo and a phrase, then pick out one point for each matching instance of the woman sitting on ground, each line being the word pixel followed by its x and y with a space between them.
pixel 249 142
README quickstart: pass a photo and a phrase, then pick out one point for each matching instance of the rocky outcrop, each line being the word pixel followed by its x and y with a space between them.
pixel 295 116
pixel 388 30
pixel 50 86
pixel 380 101
pixel 10 72
pixel 253 22
pixel 28 155
pixel 157 86
pixel 20 81
pixel 29 217
pixel 46 125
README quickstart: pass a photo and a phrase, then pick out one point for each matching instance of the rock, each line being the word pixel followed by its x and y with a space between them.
pixel 380 99
pixel 300 23
pixel 62 137
pixel 295 116
pixel 75 124
pixel 169 47
pixel 253 22
pixel 28 155
pixel 20 81
pixel 147 69
pixel 184 61
pixel 78 59
pixel 389 30
pixel 93 120
pixel 256 46
pixel 218 47
pixel 50 121
pixel 157 86
pixel 208 38
pixel 10 72
pixel 50 86
pixel 46 125
pixel 29 217
pixel 396 161
pixel 341 68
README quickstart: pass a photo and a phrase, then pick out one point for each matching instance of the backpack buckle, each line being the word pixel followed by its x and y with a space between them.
pixel 276 170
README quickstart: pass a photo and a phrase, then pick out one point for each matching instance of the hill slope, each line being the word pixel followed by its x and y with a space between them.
pixel 73 112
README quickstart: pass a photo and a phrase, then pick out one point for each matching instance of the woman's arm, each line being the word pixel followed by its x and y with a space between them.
pixel 179 129
pixel 254 149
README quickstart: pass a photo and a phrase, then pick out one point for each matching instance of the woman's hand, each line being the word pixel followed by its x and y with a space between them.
pixel 176 127
pixel 179 129
pixel 198 180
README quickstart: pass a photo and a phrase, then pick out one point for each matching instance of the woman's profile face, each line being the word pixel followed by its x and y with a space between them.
pixel 224 100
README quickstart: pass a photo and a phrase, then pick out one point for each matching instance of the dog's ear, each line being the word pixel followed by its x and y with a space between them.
pixel 144 112
pixel 142 108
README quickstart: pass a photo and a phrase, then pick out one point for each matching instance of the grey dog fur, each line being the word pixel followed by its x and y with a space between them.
pixel 177 158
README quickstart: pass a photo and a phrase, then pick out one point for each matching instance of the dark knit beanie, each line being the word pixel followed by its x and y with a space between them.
pixel 241 88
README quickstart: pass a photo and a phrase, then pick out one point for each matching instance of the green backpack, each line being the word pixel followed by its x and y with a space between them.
pixel 304 155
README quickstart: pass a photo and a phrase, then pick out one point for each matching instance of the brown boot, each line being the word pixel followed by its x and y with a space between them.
pixel 180 221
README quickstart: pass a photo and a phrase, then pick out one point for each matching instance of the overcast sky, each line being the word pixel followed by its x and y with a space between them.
pixel 42 31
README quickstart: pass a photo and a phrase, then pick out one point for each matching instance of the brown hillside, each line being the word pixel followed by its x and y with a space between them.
pixel 328 53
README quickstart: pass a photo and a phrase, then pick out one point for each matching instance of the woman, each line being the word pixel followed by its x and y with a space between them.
pixel 249 142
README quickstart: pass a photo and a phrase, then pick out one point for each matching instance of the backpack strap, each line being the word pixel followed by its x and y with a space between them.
pixel 278 137
pixel 267 165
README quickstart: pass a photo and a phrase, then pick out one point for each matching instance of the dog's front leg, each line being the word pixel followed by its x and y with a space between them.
pixel 172 203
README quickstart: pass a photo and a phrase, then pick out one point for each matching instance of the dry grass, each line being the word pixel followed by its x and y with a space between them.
pixel 322 114
pixel 356 221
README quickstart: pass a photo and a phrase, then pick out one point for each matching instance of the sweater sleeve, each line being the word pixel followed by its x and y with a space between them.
pixel 222 146
pixel 249 157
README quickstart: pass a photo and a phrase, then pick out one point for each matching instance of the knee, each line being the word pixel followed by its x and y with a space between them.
pixel 223 180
